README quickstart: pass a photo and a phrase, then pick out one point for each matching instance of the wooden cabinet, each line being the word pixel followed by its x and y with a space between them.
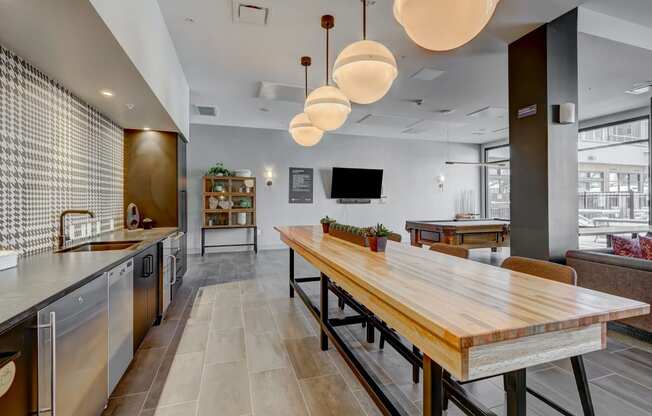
pixel 146 278
pixel 155 180
pixel 18 345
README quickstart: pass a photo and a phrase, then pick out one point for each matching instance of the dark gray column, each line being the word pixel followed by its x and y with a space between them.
pixel 543 72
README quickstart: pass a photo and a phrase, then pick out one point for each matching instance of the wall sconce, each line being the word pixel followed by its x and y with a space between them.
pixel 567 113
pixel 441 179
pixel 268 177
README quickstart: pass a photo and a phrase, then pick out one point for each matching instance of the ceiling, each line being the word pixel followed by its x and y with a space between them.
pixel 68 41
pixel 225 62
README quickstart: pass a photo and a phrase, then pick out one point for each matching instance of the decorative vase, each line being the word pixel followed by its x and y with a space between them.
pixel 325 227
pixel 213 202
pixel 218 187
pixel 242 218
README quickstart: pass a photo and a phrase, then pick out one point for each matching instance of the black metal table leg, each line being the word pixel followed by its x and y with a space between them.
pixel 582 385
pixel 516 393
pixel 291 273
pixel 371 334
pixel 256 240
pixel 433 388
pixel 415 368
pixel 323 310
pixel 203 238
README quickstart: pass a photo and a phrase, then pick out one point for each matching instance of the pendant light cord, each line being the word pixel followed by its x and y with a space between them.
pixel 306 68
pixel 327 48
pixel 364 19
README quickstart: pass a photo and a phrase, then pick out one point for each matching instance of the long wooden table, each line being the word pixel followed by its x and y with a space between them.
pixel 467 318
pixel 485 233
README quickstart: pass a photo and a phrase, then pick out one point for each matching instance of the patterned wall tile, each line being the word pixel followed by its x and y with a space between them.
pixel 56 153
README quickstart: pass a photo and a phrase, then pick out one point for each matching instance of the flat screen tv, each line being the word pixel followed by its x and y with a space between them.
pixel 351 183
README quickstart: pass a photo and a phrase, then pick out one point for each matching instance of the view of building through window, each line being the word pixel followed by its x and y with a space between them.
pixel 613 178
pixel 613 174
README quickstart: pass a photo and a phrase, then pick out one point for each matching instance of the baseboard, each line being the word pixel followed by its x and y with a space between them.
pixel 630 330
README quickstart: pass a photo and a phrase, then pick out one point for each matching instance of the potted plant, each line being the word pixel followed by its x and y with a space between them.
pixel 378 238
pixel 326 223
pixel 218 170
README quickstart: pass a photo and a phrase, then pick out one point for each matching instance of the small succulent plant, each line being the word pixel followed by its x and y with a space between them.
pixel 327 220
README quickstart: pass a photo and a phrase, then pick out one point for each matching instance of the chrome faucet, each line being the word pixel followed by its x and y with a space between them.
pixel 62 217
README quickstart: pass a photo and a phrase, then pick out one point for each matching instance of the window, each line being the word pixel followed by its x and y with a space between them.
pixel 497 191
pixel 613 179
pixel 591 181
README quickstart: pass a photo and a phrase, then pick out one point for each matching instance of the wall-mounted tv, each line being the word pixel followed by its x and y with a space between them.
pixel 351 183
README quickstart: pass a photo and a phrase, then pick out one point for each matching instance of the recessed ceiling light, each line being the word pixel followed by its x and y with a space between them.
pixel 107 93
pixel 264 109
pixel 189 20
pixel 130 106
pixel 488 112
pixel 427 74
pixel 445 111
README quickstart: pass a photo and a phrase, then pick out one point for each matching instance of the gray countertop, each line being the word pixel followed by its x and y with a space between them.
pixel 41 279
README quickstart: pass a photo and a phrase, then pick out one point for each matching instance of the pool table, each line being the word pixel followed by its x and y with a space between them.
pixel 482 233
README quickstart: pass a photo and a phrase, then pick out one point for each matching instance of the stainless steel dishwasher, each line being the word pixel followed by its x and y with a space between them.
pixel 73 352
pixel 121 321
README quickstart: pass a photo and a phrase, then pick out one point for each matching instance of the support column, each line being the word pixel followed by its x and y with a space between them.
pixel 543 74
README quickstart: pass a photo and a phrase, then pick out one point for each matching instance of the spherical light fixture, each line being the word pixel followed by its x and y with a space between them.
pixel 442 25
pixel 327 106
pixel 365 70
pixel 304 132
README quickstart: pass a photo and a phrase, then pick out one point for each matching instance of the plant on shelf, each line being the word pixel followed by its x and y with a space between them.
pixel 326 223
pixel 218 170
pixel 377 237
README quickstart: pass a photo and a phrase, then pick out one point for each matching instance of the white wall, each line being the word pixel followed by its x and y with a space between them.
pixel 140 29
pixel 410 166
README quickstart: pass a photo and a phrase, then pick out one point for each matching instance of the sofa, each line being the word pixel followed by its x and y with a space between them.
pixel 600 269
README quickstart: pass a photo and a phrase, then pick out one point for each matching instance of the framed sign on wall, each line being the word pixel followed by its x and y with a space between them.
pixel 301 186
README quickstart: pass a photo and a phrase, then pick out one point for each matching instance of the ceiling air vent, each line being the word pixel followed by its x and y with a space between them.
pixel 206 110
pixel 250 12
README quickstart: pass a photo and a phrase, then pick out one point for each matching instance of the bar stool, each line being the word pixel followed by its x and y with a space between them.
pixel 563 274
pixel 451 250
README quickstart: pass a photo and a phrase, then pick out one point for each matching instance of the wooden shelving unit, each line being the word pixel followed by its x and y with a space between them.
pixel 232 189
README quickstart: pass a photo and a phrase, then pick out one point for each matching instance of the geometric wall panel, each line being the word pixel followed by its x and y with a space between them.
pixel 56 153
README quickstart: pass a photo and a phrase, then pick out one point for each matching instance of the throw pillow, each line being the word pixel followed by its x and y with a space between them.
pixel 626 247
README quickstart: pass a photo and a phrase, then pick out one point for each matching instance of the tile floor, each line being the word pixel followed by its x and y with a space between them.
pixel 234 344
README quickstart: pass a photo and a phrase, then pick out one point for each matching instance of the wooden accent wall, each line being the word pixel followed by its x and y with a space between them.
pixel 543 72
pixel 150 178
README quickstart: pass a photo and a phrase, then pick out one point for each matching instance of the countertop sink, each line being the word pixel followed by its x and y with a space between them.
pixel 100 246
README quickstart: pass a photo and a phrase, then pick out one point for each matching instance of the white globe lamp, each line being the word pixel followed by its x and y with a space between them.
pixel 304 132
pixel 365 71
pixel 327 107
pixel 442 25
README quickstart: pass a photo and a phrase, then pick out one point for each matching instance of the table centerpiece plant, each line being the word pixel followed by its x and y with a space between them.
pixel 377 237
pixel 326 223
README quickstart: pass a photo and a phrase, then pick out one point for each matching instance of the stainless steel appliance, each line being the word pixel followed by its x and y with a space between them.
pixel 73 352
pixel 121 321
pixel 171 253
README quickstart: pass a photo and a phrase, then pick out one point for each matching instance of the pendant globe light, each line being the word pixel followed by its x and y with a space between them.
pixel 442 25
pixel 327 106
pixel 301 128
pixel 365 70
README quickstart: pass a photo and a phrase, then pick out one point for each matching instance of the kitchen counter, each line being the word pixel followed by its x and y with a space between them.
pixel 41 279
